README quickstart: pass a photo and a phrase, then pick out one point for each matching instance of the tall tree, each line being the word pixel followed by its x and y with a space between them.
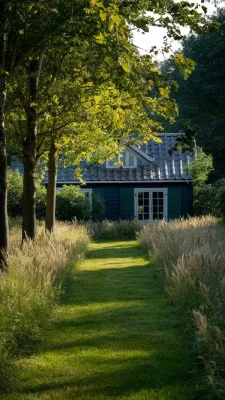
pixel 22 32
pixel 201 98
pixel 3 160
pixel 42 26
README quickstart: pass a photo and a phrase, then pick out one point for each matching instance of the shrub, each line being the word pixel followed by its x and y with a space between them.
pixel 72 203
pixel 200 168
pixel 98 207
pixel 15 191
pixel 123 229
pixel 210 199
pixel 192 252
pixel 41 193
pixel 31 286
pixel 15 195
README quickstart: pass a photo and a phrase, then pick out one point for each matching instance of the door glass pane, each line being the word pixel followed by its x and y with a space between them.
pixel 143 206
pixel 158 205
pixel 155 202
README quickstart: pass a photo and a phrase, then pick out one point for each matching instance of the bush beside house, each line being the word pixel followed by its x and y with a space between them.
pixel 70 201
pixel 15 195
pixel 208 198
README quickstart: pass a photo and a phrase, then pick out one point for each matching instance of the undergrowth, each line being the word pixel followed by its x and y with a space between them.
pixel 30 288
pixel 123 229
pixel 192 253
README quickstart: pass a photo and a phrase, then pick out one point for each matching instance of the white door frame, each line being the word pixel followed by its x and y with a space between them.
pixel 150 191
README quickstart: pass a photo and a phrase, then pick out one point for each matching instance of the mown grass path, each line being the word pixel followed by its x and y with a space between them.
pixel 115 336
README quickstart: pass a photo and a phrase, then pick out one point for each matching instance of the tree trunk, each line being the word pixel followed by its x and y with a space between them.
pixel 3 158
pixel 29 157
pixel 51 190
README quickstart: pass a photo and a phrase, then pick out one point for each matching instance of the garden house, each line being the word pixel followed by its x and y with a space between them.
pixel 151 184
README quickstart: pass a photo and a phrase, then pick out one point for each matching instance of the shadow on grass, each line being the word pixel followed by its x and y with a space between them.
pixel 116 332
pixel 132 375
pixel 132 283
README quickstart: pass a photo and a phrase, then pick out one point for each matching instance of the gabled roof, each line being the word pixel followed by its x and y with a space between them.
pixel 155 164
pixel 140 155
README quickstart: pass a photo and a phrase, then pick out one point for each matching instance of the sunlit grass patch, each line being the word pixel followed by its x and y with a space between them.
pixel 114 337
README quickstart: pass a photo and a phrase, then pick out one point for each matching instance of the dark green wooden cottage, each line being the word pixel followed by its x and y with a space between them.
pixel 151 185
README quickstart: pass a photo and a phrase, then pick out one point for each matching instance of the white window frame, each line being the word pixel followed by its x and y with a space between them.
pixel 123 166
pixel 165 203
pixel 87 191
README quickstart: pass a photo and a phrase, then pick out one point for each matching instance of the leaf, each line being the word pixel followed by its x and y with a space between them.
pixel 116 19
pixel 124 64
pixel 109 60
pixel 100 38
pixel 102 15
pixel 185 65
pixel 204 8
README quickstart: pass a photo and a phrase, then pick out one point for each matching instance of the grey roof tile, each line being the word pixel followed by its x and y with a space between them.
pixel 163 166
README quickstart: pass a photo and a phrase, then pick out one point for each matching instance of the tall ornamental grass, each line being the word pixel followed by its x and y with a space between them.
pixel 192 253
pixel 30 288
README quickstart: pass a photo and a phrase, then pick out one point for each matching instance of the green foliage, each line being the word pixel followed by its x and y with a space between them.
pixel 15 192
pixel 210 199
pixel 200 168
pixel 72 203
pixel 124 229
pixel 98 207
pixel 185 65
pixel 201 98
pixel 40 200
pixel 15 195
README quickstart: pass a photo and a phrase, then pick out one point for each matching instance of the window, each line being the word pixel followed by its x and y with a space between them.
pixel 150 204
pixel 128 160
pixel 88 193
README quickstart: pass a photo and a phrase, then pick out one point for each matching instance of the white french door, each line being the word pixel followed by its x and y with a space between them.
pixel 150 204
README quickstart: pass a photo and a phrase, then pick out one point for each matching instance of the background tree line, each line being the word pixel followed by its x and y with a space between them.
pixel 201 98
pixel 201 104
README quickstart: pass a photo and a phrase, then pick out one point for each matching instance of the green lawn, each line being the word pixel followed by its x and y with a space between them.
pixel 114 337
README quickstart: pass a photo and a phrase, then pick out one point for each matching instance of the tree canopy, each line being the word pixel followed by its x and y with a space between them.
pixel 30 29
pixel 201 98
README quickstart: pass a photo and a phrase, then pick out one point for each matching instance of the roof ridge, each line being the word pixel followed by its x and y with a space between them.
pixel 169 134
pixel 142 154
